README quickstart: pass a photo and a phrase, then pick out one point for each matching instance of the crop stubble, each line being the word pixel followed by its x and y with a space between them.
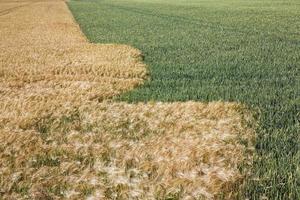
pixel 62 137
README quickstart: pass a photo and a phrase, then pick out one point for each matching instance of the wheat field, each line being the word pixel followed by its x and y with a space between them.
pixel 62 136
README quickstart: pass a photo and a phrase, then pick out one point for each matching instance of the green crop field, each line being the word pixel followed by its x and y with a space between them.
pixel 229 50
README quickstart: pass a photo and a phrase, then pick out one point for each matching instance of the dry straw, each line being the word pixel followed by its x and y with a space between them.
pixel 61 138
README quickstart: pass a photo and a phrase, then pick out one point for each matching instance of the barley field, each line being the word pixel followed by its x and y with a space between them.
pixel 64 135
pixel 229 50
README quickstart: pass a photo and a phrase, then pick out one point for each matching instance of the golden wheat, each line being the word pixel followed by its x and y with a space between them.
pixel 47 64
pixel 61 138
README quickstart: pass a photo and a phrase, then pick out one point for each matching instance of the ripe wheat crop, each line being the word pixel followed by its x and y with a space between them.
pixel 62 137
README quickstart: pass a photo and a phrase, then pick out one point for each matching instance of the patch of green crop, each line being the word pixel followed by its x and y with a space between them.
pixel 230 50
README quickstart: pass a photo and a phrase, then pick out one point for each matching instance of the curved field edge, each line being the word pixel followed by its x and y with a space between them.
pixel 62 138
pixel 243 51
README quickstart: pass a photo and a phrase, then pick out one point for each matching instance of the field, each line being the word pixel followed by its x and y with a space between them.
pixel 228 50
pixel 63 135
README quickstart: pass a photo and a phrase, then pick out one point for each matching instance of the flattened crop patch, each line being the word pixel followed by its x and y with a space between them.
pixel 61 136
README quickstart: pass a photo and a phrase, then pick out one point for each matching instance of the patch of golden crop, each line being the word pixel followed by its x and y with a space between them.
pixel 61 138
pixel 46 64
pixel 114 150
